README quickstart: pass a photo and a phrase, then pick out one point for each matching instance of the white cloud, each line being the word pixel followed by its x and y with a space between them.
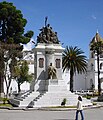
pixel 29 45
pixel 94 17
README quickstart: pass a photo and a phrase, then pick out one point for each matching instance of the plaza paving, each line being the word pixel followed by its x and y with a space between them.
pixel 90 114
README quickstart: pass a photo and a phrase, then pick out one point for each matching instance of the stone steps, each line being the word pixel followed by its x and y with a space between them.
pixel 53 94
pixel 37 99
pixel 55 99
pixel 29 100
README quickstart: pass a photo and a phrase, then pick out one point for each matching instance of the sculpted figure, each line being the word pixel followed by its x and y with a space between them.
pixel 40 38
pixel 47 35
pixel 51 72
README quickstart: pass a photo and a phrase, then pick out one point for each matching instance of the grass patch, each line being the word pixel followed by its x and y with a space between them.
pixel 4 102
pixel 94 103
pixel 5 105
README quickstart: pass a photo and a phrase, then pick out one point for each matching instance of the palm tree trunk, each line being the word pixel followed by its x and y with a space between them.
pixel 99 82
pixel 19 90
pixel 71 80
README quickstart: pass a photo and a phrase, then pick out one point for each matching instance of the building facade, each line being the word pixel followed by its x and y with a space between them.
pixel 45 54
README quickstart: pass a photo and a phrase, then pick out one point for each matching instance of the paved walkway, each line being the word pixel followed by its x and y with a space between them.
pixel 90 114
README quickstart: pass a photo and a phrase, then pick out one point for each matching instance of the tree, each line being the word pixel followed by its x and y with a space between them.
pixel 12 26
pixel 75 61
pixel 21 73
pixel 97 46
pixel 1 71
pixel 10 54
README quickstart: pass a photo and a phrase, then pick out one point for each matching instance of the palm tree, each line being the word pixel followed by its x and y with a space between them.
pixel 75 61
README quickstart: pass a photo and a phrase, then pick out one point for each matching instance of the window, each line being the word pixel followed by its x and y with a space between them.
pixel 101 65
pixel 57 63
pixel 41 62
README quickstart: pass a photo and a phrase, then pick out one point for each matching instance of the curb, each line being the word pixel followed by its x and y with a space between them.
pixel 48 109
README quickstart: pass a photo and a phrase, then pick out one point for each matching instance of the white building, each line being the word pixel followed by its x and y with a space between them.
pixel 87 81
pixel 92 72
pixel 50 85
pixel 29 56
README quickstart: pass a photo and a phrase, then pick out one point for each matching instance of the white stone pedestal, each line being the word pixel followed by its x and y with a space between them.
pixel 50 85
pixel 53 85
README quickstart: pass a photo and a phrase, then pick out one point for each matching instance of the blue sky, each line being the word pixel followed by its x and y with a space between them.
pixel 75 21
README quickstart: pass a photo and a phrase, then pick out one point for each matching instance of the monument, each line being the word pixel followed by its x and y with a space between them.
pixel 48 87
pixel 48 60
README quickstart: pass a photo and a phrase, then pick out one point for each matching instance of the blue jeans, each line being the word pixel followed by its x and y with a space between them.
pixel 81 113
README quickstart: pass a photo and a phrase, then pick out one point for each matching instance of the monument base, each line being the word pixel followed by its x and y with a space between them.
pixel 50 85
pixel 53 85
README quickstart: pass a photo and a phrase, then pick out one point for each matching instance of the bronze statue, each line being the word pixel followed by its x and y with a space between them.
pixel 51 72
pixel 47 35
pixel 46 18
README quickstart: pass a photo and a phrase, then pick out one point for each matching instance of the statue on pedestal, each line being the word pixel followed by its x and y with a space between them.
pixel 51 72
pixel 47 35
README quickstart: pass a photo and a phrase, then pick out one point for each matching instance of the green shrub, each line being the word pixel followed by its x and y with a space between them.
pixel 88 97
pixel 5 100
pixel 94 103
pixel 64 102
